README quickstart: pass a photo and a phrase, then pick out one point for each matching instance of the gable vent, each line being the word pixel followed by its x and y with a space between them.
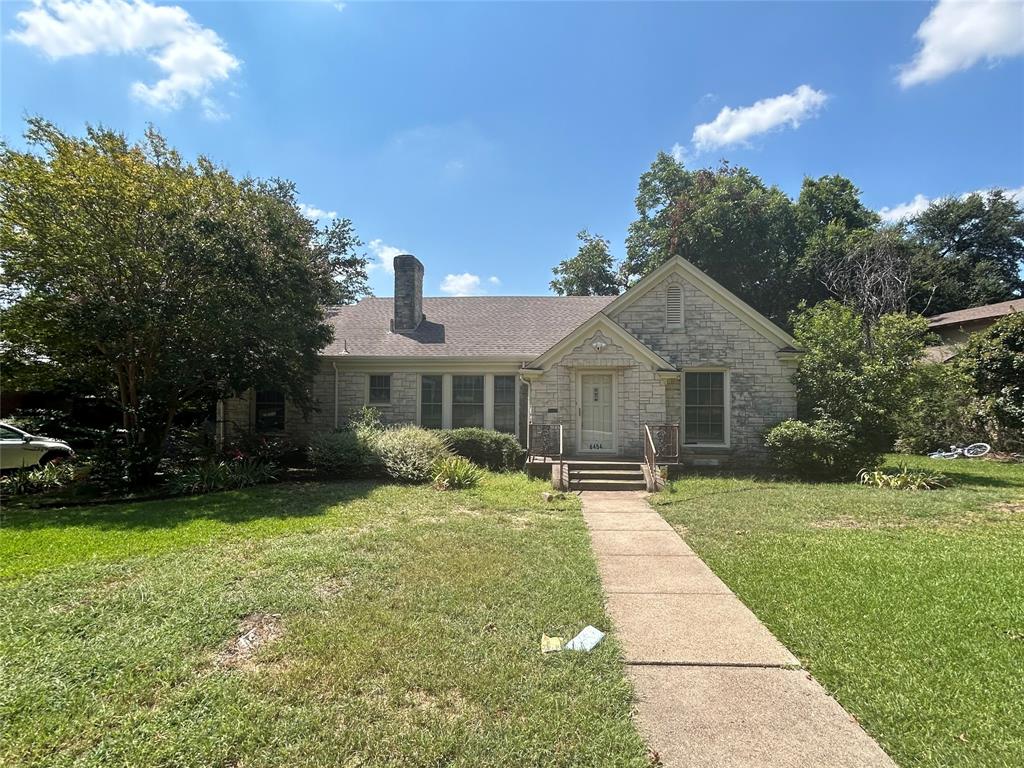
pixel 674 306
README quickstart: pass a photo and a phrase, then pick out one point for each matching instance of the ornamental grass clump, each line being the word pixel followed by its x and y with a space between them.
pixel 904 479
pixel 455 472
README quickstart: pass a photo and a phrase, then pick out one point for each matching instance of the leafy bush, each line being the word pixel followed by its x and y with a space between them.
pixel 453 472
pixel 366 418
pixel 410 453
pixel 346 453
pixel 261 448
pixel 485 448
pixel 224 475
pixel 993 361
pixel 820 450
pixel 115 461
pixel 38 479
pixel 858 375
pixel 904 479
pixel 943 411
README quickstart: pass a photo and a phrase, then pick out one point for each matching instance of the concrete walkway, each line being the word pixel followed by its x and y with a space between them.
pixel 715 687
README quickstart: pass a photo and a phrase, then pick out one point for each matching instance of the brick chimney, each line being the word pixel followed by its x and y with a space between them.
pixel 408 294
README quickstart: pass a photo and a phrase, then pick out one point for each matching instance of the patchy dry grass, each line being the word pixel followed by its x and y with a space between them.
pixel 907 605
pixel 319 625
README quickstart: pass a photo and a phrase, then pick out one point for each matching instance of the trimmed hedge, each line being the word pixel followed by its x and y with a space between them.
pixel 410 453
pixel 346 453
pixel 496 451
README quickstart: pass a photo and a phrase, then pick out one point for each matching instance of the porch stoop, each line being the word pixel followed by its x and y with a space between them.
pixel 605 476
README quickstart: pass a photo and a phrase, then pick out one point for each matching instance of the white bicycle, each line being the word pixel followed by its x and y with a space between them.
pixel 972 451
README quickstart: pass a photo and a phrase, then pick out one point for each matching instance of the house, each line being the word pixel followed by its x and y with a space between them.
pixel 676 353
pixel 955 328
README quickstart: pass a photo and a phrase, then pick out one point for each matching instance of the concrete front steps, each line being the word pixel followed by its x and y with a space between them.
pixel 606 476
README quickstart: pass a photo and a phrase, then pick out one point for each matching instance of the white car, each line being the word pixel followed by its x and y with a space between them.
pixel 19 449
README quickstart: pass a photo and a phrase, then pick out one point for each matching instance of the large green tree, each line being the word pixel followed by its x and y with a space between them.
pixel 743 233
pixel 160 283
pixel 591 272
pixel 975 252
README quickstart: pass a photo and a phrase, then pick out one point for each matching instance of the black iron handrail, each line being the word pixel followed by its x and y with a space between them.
pixel 547 441
pixel 661 444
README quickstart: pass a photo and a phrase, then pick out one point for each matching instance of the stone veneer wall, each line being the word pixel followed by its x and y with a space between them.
pixel 640 394
pixel 239 413
pixel 762 392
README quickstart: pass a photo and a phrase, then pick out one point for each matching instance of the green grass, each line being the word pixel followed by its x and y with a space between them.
pixel 409 626
pixel 907 605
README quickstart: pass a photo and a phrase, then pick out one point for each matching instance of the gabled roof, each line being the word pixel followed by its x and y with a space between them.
pixel 712 288
pixel 974 314
pixel 511 327
pixel 601 322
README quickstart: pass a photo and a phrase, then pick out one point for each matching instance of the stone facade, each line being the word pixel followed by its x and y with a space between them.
pixel 761 389
pixel 647 390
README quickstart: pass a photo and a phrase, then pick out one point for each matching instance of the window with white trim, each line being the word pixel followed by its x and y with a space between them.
pixel 467 401
pixel 674 305
pixel 704 408
pixel 505 404
pixel 431 401
pixel 379 389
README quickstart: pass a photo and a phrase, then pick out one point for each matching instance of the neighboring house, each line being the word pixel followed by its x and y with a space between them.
pixel 676 350
pixel 955 328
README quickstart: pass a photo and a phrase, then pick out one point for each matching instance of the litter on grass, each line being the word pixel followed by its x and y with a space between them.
pixel 550 644
pixel 585 640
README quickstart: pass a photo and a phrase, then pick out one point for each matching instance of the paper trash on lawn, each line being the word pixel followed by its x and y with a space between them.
pixel 585 640
pixel 550 644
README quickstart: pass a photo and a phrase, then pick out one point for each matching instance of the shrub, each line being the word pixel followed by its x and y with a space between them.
pixel 37 479
pixel 410 453
pixel 485 448
pixel 943 411
pixel 993 361
pixel 224 475
pixel 820 450
pixel 347 453
pixel 453 472
pixel 904 479
pixel 858 375
pixel 366 417
pixel 261 448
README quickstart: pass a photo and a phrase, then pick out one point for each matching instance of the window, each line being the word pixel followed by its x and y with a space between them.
pixel 269 410
pixel 467 401
pixel 430 402
pixel 380 389
pixel 505 404
pixel 674 306
pixel 704 412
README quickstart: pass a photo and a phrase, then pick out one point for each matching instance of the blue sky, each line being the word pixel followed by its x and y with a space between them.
pixel 482 137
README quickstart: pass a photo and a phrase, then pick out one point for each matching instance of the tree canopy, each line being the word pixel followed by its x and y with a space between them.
pixel 591 272
pixel 158 282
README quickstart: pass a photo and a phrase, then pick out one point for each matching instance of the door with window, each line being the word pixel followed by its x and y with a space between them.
pixel 597 417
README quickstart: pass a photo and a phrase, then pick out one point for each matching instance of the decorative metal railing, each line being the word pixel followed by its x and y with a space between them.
pixel 661 444
pixel 544 440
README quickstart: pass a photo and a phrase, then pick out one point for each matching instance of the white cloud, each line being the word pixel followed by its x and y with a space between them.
pixel 736 126
pixel 908 210
pixel 957 35
pixel 679 153
pixel 312 212
pixel 462 285
pixel 493 280
pixel 383 255
pixel 191 57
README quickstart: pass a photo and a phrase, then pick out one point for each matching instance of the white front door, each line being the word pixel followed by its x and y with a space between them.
pixel 597 417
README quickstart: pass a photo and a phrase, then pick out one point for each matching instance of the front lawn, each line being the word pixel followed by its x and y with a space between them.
pixel 399 626
pixel 908 606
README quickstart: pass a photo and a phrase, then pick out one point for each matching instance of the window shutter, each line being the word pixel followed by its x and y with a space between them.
pixel 674 306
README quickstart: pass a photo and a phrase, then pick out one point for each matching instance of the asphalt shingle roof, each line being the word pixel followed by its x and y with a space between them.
pixel 470 326
pixel 976 313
